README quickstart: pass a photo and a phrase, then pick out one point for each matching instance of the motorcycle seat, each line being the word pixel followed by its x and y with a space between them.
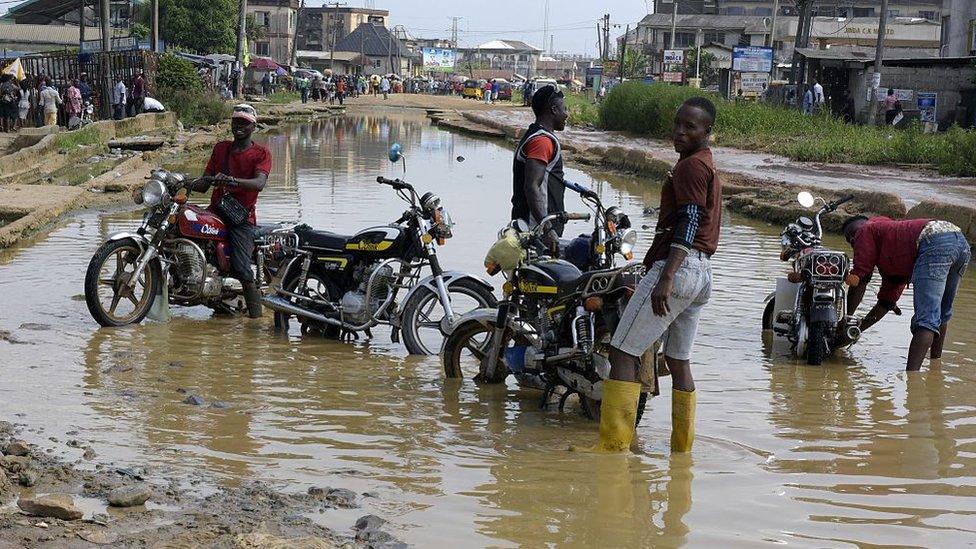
pixel 265 230
pixel 323 239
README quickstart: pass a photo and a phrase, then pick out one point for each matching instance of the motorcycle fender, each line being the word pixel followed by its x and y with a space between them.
pixel 450 277
pixel 823 312
pixel 279 279
pixel 139 239
pixel 488 317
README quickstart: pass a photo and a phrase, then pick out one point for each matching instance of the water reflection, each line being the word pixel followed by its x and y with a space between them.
pixel 855 452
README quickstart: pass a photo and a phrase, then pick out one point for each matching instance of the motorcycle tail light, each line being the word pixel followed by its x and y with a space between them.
pixel 592 304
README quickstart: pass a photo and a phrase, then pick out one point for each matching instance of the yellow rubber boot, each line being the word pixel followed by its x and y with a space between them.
pixel 618 417
pixel 682 420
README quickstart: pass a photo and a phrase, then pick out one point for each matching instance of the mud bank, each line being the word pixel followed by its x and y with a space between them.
pixel 751 192
pixel 48 501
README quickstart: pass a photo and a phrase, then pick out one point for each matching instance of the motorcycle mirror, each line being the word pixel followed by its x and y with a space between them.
pixel 396 152
pixel 805 199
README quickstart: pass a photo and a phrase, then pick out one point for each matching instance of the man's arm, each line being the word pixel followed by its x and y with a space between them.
pixel 256 183
pixel 855 294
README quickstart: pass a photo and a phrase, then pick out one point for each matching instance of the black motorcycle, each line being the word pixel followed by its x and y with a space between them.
pixel 343 285
pixel 552 329
pixel 809 305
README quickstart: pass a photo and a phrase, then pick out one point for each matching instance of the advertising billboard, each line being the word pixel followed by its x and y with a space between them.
pixel 438 59
pixel 752 59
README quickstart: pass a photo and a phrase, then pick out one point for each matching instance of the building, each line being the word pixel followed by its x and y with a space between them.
pixel 932 10
pixel 39 38
pixel 512 56
pixel 322 27
pixel 59 12
pixel 372 49
pixel 959 28
pixel 278 20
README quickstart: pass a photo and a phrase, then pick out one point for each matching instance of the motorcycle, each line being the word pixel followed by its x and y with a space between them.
pixel 342 285
pixel 809 305
pixel 180 251
pixel 552 330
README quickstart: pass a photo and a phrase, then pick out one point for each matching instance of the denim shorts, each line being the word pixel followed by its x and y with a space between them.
pixel 639 327
pixel 939 267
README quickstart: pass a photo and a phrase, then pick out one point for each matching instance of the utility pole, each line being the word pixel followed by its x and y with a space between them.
pixel 545 25
pixel 239 57
pixel 674 20
pixel 334 32
pixel 81 25
pixel 878 59
pixel 154 31
pixel 606 36
pixel 797 77
pixel 599 43
pixel 623 54
pixel 106 60
pixel 294 40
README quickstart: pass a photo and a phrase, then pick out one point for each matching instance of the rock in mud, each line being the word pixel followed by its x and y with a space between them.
pixel 342 497
pixel 98 537
pixel 129 496
pixel 14 464
pixel 60 506
pixel 34 326
pixel 28 478
pixel 369 521
pixel 260 540
pixel 220 404
pixel 194 400
pixel 89 453
pixel 17 448
pixel 6 487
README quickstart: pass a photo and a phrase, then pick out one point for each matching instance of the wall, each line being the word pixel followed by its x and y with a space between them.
pixel 279 32
pixel 963 13
pixel 946 80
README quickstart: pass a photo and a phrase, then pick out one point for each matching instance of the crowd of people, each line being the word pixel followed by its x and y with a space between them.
pixel 37 101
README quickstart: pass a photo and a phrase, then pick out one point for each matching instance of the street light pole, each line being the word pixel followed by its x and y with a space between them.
pixel 674 20
pixel 878 59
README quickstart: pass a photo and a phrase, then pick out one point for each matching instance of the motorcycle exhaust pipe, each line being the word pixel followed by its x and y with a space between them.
pixel 853 332
pixel 282 305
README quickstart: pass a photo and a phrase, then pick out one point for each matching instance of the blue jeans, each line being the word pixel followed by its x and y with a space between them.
pixel 940 266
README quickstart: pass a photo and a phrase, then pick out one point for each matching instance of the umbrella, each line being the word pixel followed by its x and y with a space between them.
pixel 14 69
pixel 263 64
pixel 280 71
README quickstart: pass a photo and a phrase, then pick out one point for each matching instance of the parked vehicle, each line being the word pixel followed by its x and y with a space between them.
pixel 504 88
pixel 809 306
pixel 180 247
pixel 473 89
pixel 553 327
pixel 339 284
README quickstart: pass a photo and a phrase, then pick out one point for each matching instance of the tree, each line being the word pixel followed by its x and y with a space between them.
pixel 706 70
pixel 202 26
pixel 139 31
pixel 635 64
pixel 253 31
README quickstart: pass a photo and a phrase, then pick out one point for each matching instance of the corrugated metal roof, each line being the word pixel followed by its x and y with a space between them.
pixel 514 45
pixel 372 40
pixel 52 35
pixel 753 23
pixel 865 54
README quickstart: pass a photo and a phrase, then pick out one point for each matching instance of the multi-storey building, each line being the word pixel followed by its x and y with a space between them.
pixel 278 21
pixel 959 28
pixel 932 10
pixel 319 29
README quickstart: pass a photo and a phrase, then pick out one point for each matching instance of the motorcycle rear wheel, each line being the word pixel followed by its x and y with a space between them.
pixel 817 343
pixel 105 281
pixel 422 317
pixel 316 287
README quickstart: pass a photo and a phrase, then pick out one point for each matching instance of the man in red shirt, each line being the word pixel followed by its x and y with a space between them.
pixel 669 299
pixel 240 168
pixel 931 254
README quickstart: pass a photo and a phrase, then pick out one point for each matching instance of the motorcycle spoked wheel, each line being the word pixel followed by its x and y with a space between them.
pixel 109 271
pixel 316 287
pixel 423 314
pixel 465 349
pixel 817 343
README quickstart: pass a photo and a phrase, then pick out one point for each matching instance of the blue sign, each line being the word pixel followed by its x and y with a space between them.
pixel 752 59
pixel 927 105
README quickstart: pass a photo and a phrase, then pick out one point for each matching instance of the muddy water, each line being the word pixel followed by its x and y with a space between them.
pixel 855 452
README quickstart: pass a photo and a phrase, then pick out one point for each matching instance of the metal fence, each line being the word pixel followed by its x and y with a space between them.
pixel 102 70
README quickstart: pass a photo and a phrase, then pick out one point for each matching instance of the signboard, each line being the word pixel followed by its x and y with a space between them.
pixel 674 57
pixel 438 59
pixel 752 59
pixel 754 82
pixel 927 106
pixel 905 96
pixel 673 77
pixel 118 44
pixel 594 77
pixel 673 66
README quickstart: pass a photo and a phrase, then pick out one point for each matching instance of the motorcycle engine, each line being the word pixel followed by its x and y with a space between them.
pixel 354 307
pixel 190 269
pixel 376 288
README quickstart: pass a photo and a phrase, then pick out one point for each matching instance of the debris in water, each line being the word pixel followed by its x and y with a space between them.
pixel 194 400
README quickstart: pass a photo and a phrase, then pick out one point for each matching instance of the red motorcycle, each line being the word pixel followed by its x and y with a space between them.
pixel 180 252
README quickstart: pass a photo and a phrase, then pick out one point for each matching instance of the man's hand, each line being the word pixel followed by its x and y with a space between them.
pixel 224 180
pixel 659 296
pixel 551 240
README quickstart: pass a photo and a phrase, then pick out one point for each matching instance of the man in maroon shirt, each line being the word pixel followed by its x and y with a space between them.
pixel 240 168
pixel 670 297
pixel 931 254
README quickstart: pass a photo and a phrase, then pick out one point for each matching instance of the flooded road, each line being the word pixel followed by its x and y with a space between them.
pixel 855 452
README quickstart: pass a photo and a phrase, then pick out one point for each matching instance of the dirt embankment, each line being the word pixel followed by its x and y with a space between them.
pixel 49 502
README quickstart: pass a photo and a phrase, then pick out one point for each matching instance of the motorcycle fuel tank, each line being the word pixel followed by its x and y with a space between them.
pixel 548 277
pixel 379 242
pixel 196 222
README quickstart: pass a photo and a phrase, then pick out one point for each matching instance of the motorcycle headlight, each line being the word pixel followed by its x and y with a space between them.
pixel 628 241
pixel 153 193
pixel 430 202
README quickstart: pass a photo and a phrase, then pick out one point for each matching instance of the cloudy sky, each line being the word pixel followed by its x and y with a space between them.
pixel 572 22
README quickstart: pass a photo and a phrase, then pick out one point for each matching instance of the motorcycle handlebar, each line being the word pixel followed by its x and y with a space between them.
pixel 836 204
pixel 577 216
pixel 395 183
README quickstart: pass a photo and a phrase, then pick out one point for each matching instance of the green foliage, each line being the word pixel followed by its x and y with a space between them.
pixel 202 26
pixel 284 96
pixel 139 31
pixel 85 136
pixel 639 108
pixel 706 71
pixel 175 73
pixel 635 63
pixel 253 31
pixel 582 109
pixel 196 108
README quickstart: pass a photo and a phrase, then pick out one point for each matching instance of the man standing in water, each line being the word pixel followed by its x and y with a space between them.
pixel 670 297
pixel 240 168
pixel 932 254
pixel 537 172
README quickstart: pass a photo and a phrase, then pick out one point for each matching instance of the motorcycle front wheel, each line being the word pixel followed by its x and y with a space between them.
pixel 465 349
pixel 110 300
pixel 817 343
pixel 423 316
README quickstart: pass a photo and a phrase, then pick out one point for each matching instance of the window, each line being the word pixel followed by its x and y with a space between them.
pixel 716 37
pixel 735 10
pixel 763 11
pixel 744 40
pixel 824 11
pixel 681 40
pixel 843 12
pixel 944 39
pixel 262 18
pixel 894 13
pixel 262 48
pixel 864 12
pixel 930 15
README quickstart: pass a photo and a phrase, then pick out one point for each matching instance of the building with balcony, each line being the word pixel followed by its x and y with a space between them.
pixel 319 29
pixel 278 21
pixel 510 56
pixel 932 10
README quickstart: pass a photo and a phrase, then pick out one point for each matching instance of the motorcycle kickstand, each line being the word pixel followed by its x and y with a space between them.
pixel 546 395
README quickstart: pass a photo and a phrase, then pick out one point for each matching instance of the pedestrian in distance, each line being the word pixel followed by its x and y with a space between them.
pixel 669 299
pixel 240 169
pixel 10 94
pixel 931 254
pixel 138 93
pixel 385 87
pixel 73 105
pixel 27 92
pixel 890 107
pixel 341 90
pixel 807 105
pixel 495 86
pixel 118 99
pixel 266 83
pixel 818 96
pixel 486 92
pixel 50 101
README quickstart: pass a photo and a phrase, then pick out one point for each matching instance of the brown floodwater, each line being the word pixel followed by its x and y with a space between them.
pixel 854 452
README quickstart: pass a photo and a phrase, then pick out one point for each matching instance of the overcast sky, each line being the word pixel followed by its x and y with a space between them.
pixel 572 22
